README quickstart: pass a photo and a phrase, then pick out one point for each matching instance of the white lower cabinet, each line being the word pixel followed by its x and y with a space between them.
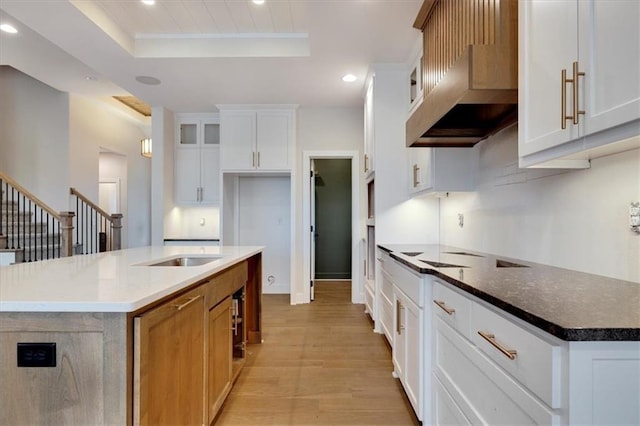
pixel 536 363
pixel 407 348
pixel 385 296
pixel 496 379
pixel 405 322
pixel 484 392
pixel 462 361
pixel 445 409
pixel 605 383
pixel 369 299
pixel 492 368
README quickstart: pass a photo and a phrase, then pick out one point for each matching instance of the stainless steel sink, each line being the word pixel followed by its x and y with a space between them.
pixel 186 261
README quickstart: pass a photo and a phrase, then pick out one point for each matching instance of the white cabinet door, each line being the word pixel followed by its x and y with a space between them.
pixel 386 304
pixel 256 140
pixel 600 38
pixel 407 348
pixel 197 159
pixel 548 44
pixel 442 169
pixel 210 175
pixel 420 178
pixel 238 135
pixel 273 140
pixel 398 354
pixel 610 57
pixel 412 319
pixel 187 176
pixel 368 129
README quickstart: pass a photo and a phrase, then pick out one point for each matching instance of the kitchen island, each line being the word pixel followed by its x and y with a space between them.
pixel 128 336
pixel 485 339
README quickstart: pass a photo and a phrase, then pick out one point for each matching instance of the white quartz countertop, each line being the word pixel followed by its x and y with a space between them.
pixel 116 281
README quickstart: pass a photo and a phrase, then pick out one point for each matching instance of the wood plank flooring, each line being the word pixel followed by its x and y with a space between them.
pixel 319 364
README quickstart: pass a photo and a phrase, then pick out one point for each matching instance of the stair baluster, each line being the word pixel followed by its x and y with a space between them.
pixel 91 222
pixel 29 229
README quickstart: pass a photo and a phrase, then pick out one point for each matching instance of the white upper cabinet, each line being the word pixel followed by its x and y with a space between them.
pixel 416 78
pixel 257 140
pixel 579 78
pixel 238 137
pixel 197 160
pixel 369 139
pixel 273 140
pixel 442 169
pixel 609 54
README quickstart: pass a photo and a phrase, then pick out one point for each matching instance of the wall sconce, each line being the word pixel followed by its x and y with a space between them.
pixel 145 147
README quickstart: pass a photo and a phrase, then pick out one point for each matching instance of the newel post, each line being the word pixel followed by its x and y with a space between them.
pixel 66 234
pixel 116 228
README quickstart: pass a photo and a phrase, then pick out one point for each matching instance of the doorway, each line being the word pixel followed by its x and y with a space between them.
pixel 330 219
pixel 112 187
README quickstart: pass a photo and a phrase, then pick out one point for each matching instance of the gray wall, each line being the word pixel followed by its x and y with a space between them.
pixel 34 135
pixel 51 141
pixel 333 219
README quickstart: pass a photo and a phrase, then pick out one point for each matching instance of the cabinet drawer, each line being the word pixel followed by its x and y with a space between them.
pixel 407 281
pixel 386 287
pixel 536 363
pixel 453 308
pixel 368 301
pixel 384 260
pixel 483 391
pixel 445 409
pixel 386 320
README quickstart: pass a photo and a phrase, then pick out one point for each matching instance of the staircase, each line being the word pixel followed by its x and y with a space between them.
pixel 27 232
pixel 32 231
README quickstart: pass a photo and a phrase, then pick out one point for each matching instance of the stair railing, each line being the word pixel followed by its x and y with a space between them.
pixel 96 230
pixel 30 227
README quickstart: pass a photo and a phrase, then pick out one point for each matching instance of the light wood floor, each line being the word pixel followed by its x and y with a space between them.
pixel 319 364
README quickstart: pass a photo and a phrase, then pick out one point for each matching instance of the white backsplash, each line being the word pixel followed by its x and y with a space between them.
pixel 185 223
pixel 572 219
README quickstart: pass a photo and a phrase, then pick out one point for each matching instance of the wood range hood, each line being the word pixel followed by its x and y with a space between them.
pixel 469 72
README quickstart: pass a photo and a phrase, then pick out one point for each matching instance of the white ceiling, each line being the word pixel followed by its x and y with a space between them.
pixel 208 52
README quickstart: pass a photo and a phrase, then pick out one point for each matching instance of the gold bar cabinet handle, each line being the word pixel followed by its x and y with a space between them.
pixel 187 303
pixel 509 353
pixel 575 83
pixel 443 306
pixel 415 175
pixel 563 102
pixel 366 163
pixel 253 160
pixel 399 327
pixel 258 158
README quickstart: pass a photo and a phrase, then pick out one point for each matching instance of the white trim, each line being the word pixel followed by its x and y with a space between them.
pixel 357 289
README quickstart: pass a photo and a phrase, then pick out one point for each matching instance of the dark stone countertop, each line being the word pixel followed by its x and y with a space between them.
pixel 574 306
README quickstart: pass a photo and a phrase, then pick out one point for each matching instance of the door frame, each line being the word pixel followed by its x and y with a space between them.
pixel 357 289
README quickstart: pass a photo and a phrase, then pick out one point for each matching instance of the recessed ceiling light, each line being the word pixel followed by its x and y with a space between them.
pixel 8 28
pixel 258 1
pixel 149 2
pixel 349 78
pixel 145 79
